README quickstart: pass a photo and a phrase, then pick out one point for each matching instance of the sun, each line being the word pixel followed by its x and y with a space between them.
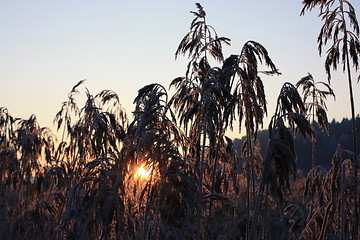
pixel 142 172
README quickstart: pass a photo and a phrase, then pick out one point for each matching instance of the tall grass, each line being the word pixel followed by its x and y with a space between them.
pixel 199 186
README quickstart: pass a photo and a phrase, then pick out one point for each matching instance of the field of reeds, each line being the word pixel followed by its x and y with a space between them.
pixel 168 170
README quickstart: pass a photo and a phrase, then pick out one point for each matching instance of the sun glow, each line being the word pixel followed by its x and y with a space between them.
pixel 142 172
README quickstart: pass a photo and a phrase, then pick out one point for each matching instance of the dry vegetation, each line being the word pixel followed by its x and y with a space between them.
pixel 85 186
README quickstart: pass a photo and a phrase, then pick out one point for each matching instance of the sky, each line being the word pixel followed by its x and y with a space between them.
pixel 46 47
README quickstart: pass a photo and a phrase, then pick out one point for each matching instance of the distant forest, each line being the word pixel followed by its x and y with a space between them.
pixel 340 134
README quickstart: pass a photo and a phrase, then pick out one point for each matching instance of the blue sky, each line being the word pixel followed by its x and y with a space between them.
pixel 46 47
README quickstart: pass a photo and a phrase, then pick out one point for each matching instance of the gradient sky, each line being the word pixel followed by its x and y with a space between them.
pixel 46 47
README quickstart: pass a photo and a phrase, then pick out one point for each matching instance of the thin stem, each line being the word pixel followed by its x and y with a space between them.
pixel 342 203
pixel 323 226
pixel 147 204
pixel 257 209
pixel 265 213
pixel 313 144
pixel 250 178
pixel 351 100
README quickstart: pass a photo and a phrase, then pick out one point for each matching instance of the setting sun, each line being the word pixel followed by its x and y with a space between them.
pixel 142 172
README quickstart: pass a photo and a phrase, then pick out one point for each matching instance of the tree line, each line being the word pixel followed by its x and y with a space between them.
pixel 340 134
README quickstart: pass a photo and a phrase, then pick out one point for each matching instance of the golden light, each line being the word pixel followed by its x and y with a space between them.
pixel 142 172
